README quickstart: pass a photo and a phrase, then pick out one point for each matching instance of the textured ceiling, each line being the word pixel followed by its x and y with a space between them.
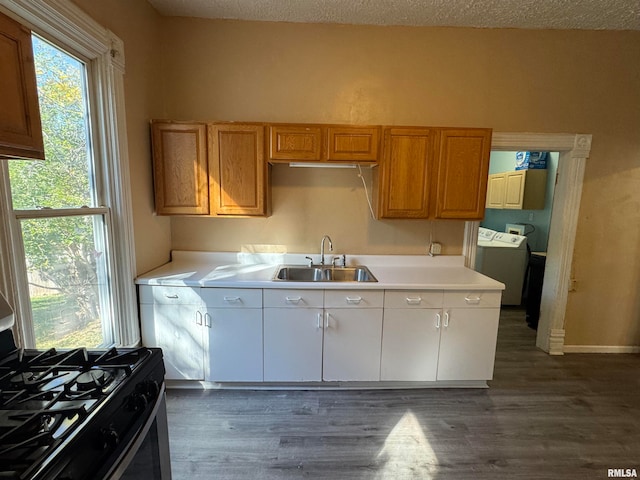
pixel 555 14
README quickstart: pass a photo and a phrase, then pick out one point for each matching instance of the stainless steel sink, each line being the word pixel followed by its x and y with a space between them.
pixel 301 273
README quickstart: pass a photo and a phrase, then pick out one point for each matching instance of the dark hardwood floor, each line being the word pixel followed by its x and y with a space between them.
pixel 543 417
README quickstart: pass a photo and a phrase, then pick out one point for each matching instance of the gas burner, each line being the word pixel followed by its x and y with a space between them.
pixel 92 379
pixel 24 379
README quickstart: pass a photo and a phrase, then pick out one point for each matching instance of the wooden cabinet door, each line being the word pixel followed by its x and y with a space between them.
pixel 405 173
pixel 514 189
pixel 353 144
pixel 180 168
pixel 496 187
pixel 463 169
pixel 293 344
pixel 295 142
pixel 20 128
pixel 352 339
pixel 237 169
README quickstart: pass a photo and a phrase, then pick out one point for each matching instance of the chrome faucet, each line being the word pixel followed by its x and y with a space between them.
pixel 326 237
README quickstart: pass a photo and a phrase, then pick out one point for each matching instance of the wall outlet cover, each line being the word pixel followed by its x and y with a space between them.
pixel 435 249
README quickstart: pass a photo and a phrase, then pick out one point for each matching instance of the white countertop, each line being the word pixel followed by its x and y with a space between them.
pixel 245 270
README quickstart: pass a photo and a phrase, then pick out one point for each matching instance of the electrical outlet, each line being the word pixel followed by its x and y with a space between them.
pixel 531 217
pixel 435 249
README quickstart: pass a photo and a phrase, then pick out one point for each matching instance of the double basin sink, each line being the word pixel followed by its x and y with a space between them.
pixel 320 273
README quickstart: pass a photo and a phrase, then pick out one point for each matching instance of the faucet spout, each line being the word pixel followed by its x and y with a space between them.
pixel 326 237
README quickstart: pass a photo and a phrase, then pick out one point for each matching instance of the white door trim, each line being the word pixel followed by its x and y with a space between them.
pixel 574 150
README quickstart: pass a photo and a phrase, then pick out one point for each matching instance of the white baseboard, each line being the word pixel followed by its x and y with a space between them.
pixel 601 349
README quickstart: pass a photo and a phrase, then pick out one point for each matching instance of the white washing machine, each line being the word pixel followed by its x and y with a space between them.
pixel 503 257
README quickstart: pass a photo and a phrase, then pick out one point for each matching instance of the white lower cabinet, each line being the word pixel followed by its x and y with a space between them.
pixel 234 321
pixel 455 341
pixel 311 335
pixel 289 335
pixel 172 319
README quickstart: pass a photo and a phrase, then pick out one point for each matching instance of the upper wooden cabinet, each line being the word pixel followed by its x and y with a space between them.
pixel 353 144
pixel 433 173
pixel 295 142
pixel 20 128
pixel 215 169
pixel 323 143
pixel 405 173
pixel 180 168
pixel 517 190
pixel 237 169
pixel 463 168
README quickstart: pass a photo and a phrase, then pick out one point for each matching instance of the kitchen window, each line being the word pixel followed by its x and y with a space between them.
pixel 67 242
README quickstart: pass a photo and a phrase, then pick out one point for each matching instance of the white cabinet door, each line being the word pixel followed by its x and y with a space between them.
pixel 178 330
pixel 468 343
pixel 293 344
pixel 235 344
pixel 352 342
pixel 410 342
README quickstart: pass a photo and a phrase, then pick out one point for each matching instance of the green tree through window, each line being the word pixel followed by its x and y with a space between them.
pixel 62 225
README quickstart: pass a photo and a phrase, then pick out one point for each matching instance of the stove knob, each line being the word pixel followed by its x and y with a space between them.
pixel 109 437
pixel 151 389
pixel 136 402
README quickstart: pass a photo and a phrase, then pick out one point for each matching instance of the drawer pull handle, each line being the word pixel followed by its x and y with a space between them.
pixel 319 318
pixel 437 320
pixel 472 300
pixel 198 318
pixel 207 320
pixel 446 319
pixel 326 320
pixel 354 300
pixel 232 299
pixel 294 300
pixel 174 295
pixel 414 300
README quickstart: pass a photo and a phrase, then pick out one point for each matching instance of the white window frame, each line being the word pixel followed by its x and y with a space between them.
pixel 66 25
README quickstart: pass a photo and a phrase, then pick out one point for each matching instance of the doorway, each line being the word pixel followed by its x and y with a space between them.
pixel 573 151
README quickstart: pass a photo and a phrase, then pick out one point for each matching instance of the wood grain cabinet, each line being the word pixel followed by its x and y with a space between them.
pixel 463 168
pixel 180 168
pixel 237 169
pixel 405 173
pixel 353 144
pixel 215 169
pixel 433 173
pixel 20 128
pixel 517 190
pixel 323 143
pixel 295 142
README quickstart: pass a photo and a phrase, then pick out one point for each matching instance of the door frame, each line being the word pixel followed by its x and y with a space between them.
pixel 574 150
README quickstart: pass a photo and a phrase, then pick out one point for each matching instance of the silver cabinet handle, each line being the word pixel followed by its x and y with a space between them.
pixel 326 320
pixel 472 300
pixel 438 320
pixel 319 318
pixel 173 295
pixel 354 300
pixel 414 300
pixel 207 320
pixel 232 299
pixel 198 317
pixel 294 300
pixel 446 319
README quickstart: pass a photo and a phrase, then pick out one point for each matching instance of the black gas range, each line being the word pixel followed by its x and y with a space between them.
pixel 81 414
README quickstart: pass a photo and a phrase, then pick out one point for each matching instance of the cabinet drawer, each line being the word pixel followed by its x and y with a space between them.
pixel 293 298
pixel 472 299
pixel 353 298
pixel 232 297
pixel 413 299
pixel 169 295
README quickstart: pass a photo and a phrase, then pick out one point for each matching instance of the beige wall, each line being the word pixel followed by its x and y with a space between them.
pixel 138 25
pixel 510 80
